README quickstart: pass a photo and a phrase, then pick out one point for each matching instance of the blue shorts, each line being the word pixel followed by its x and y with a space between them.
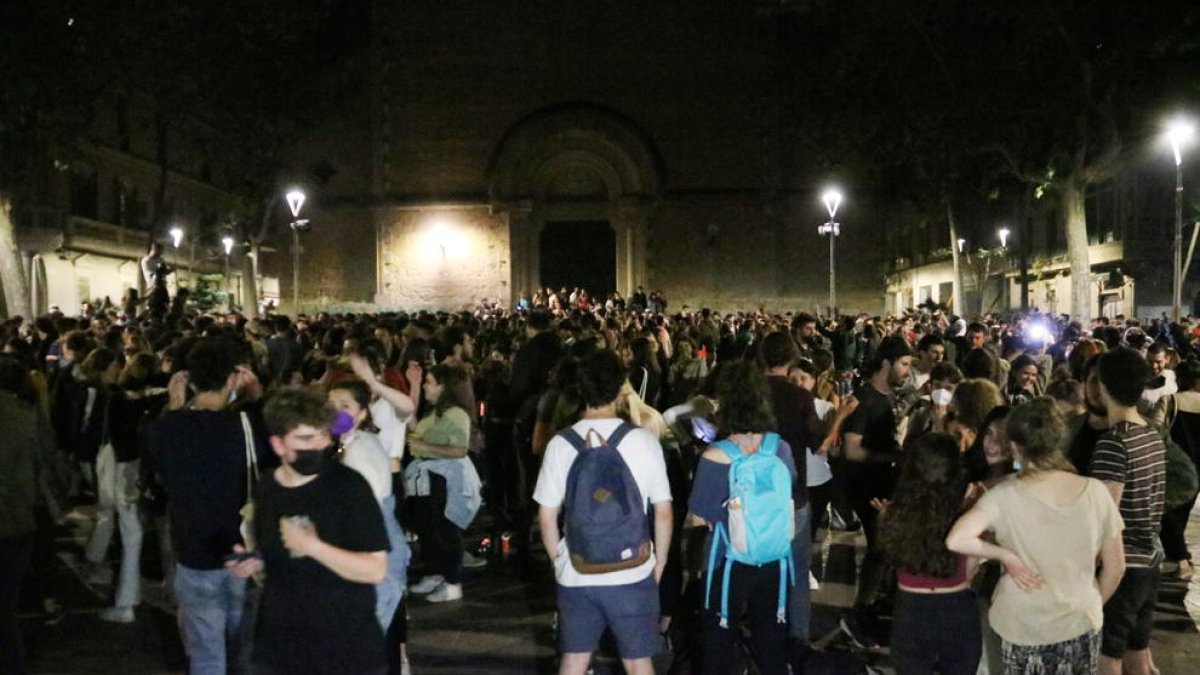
pixel 631 612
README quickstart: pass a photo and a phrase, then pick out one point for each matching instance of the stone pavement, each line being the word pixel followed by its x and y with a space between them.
pixel 503 625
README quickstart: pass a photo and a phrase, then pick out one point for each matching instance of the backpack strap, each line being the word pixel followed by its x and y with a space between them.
pixel 769 444
pixel 581 445
pixel 571 436
pixel 618 434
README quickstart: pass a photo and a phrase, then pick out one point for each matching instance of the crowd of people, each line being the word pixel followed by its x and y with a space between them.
pixel 1021 482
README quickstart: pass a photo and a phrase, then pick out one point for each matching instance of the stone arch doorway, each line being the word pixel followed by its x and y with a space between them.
pixel 582 164
pixel 578 254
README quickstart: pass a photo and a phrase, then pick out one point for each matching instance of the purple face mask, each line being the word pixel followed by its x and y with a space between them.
pixel 342 423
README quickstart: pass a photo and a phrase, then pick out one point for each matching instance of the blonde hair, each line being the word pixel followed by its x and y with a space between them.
pixel 641 414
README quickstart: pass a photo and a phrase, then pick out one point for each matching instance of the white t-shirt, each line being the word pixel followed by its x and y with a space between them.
pixel 819 472
pixel 365 454
pixel 392 429
pixel 642 452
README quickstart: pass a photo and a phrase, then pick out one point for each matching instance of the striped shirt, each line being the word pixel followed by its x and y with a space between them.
pixel 1134 456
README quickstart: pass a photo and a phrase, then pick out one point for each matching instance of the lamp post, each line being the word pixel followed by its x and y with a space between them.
pixel 295 201
pixel 1003 234
pixel 1178 134
pixel 176 233
pixel 227 243
pixel 832 199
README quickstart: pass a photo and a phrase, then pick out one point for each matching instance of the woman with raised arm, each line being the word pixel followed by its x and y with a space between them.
pixel 1050 525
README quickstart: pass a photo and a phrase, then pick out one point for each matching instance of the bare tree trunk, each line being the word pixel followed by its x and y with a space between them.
pixel 12 270
pixel 957 294
pixel 1075 221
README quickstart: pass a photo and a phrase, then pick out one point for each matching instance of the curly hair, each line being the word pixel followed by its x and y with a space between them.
pixel 743 400
pixel 927 501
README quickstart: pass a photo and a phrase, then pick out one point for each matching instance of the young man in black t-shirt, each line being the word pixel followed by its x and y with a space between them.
pixel 323 547
pixel 871 451
pixel 198 452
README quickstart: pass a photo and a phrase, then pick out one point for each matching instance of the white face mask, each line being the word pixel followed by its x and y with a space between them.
pixel 941 396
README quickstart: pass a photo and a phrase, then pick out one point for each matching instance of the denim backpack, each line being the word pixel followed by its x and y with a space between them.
pixel 606 524
pixel 761 519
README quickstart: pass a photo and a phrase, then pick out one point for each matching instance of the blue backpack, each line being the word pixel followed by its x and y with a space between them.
pixel 606 524
pixel 761 519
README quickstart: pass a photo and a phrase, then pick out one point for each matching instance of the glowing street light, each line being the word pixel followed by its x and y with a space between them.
pixel 295 200
pixel 832 198
pixel 961 244
pixel 227 242
pixel 1179 133
pixel 1003 234
pixel 176 235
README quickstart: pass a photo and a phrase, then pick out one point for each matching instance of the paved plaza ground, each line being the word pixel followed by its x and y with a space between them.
pixel 504 625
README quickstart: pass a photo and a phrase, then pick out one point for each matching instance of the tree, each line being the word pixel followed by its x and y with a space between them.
pixel 945 96
pixel 245 69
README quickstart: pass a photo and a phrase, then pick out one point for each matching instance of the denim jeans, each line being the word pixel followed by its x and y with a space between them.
pixel 117 494
pixel 390 591
pixel 210 607
pixel 800 599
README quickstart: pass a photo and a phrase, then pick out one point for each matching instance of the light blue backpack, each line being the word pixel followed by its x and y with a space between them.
pixel 761 519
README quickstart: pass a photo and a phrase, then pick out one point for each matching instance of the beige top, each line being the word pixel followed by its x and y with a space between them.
pixel 1060 542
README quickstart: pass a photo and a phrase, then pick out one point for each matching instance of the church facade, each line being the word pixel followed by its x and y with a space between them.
pixel 601 145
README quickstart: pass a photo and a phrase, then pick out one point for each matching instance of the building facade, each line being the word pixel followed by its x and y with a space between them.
pixel 489 154
pixel 83 234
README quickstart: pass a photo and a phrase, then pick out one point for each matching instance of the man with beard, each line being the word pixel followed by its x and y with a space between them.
pixel 871 452
pixel 1086 429
pixel 323 547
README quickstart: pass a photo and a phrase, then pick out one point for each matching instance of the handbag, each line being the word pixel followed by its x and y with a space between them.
pixel 247 510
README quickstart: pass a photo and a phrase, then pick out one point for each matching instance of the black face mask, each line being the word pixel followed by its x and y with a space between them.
pixel 310 462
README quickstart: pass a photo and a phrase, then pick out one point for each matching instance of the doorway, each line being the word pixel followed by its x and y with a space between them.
pixel 579 253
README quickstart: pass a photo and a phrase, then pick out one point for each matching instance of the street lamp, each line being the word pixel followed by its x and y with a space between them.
pixel 176 235
pixel 1179 133
pixel 227 243
pixel 961 243
pixel 832 199
pixel 1003 234
pixel 295 201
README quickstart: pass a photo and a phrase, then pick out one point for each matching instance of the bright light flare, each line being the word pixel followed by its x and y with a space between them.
pixel 295 201
pixel 832 199
pixel 227 242
pixel 1039 332
pixel 961 244
pixel 176 235
pixel 1180 133
pixel 1004 232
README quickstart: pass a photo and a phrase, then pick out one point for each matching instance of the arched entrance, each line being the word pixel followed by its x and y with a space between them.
pixel 575 167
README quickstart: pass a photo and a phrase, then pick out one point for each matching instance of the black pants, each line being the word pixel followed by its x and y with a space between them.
pixel 503 494
pixel 866 481
pixel 440 540
pixel 936 632
pixel 819 496
pixel 1174 524
pixel 754 603
pixel 15 553
pixel 397 635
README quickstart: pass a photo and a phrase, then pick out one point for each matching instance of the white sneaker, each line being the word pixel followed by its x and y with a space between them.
pixel 427 584
pixel 446 593
pixel 117 615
